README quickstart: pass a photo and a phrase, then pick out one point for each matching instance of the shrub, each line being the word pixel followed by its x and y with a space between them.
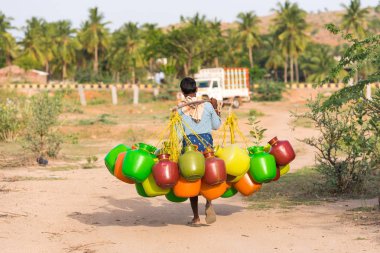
pixel 269 91
pixel 12 119
pixel 42 137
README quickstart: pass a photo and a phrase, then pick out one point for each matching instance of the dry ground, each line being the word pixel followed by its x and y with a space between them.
pixel 64 208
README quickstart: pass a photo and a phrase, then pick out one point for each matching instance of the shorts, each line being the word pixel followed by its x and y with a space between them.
pixel 206 138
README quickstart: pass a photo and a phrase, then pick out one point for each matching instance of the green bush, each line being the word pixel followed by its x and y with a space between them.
pixel 269 91
pixel 12 119
pixel 42 137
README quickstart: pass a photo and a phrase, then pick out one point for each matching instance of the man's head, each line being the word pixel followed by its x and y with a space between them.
pixel 188 86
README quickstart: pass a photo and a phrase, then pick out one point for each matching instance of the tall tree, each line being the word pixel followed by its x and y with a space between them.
pixel 32 45
pixel 94 35
pixel 66 47
pixel 126 50
pixel 289 27
pixel 151 36
pixel 249 32
pixel 275 58
pixel 8 44
pixel 354 19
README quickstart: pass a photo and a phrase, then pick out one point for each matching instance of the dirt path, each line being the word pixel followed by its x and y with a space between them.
pixel 90 211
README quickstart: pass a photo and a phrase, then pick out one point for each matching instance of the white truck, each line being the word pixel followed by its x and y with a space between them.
pixel 230 85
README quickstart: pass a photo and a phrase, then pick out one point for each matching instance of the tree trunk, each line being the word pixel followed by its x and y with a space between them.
pixel 286 69
pixel 95 69
pixel 133 76
pixel 47 66
pixel 185 69
pixel 216 62
pixel 297 70
pixel 275 74
pixel 64 71
pixel 291 70
pixel 8 60
pixel 250 56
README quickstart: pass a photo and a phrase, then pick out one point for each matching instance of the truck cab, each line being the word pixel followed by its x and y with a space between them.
pixel 209 88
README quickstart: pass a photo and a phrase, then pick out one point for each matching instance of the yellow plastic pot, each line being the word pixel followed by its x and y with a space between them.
pixel 152 189
pixel 284 169
pixel 235 158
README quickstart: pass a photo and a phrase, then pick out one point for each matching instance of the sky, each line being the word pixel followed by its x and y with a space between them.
pixel 162 12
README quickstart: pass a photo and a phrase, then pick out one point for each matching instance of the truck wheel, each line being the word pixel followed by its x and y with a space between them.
pixel 236 103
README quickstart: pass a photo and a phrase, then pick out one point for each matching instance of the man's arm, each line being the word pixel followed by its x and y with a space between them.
pixel 215 118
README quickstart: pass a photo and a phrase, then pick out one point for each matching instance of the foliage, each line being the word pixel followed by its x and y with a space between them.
pixel 345 146
pixel 12 119
pixel 269 91
pixel 349 123
pixel 90 162
pixel 256 132
pixel 42 137
pixel 102 119
pixel 354 19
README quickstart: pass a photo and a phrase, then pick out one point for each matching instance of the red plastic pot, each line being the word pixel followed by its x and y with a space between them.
pixel 282 151
pixel 215 169
pixel 165 172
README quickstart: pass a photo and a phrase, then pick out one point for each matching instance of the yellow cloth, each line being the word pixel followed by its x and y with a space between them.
pixel 195 111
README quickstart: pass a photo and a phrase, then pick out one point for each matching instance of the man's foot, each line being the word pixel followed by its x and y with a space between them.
pixel 210 214
pixel 195 222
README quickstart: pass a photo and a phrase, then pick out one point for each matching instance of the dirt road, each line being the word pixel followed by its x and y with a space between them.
pixel 90 211
pixel 42 210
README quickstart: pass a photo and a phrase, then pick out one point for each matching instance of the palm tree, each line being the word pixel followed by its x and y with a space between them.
pixel 66 45
pixel 32 42
pixel 7 42
pixel 249 31
pixel 354 20
pixel 289 29
pixel 125 49
pixel 94 35
pixel 151 36
pixel 275 58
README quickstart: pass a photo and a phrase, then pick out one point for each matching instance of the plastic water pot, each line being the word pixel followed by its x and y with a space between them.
pixel 187 189
pixel 211 192
pixel 152 189
pixel 235 158
pixel 110 158
pixel 165 172
pixel 173 198
pixel 282 151
pixel 263 165
pixel 192 164
pixel 231 191
pixel 284 169
pixel 118 169
pixel 140 190
pixel 246 186
pixel 138 163
pixel 215 169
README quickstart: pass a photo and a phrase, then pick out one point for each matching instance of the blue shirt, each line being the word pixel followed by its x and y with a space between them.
pixel 210 121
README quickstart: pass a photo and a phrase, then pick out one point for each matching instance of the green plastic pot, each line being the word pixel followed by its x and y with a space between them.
pixel 110 158
pixel 138 163
pixel 262 165
pixel 191 164
pixel 173 198
pixel 140 190
pixel 229 192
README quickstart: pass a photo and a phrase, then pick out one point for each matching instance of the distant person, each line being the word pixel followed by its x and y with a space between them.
pixel 202 118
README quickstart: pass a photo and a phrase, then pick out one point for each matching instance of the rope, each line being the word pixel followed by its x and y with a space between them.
pixel 232 125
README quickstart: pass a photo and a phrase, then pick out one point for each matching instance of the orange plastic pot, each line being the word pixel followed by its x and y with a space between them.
pixel 118 169
pixel 211 192
pixel 186 189
pixel 246 186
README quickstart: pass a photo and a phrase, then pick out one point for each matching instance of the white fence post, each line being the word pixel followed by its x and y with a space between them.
pixel 135 94
pixel 82 96
pixel 114 94
pixel 156 91
pixel 368 94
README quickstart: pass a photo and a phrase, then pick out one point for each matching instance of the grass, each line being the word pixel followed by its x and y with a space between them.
pixel 102 119
pixel 22 178
pixel 306 187
pixel 302 122
pixel 364 216
pixel 255 113
pixel 290 190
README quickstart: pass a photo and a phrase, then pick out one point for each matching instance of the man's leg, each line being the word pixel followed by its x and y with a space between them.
pixel 210 213
pixel 194 207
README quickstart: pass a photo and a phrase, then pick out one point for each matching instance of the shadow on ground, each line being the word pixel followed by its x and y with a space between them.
pixel 141 212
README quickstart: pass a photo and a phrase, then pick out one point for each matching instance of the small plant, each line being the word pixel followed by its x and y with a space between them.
pixel 12 120
pixel 269 91
pixel 255 113
pixel 42 136
pixel 102 119
pixel 90 162
pixel 256 132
